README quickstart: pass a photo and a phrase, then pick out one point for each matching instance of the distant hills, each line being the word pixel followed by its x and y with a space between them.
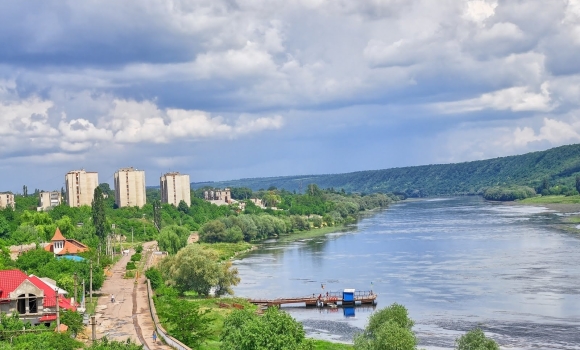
pixel 558 165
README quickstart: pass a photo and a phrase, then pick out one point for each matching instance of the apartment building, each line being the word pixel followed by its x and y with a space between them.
pixel 48 200
pixel 6 200
pixel 175 188
pixel 80 187
pixel 130 187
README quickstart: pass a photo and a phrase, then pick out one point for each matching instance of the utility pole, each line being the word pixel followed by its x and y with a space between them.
pixel 91 283
pixel 57 311
pixel 76 299
pixel 94 328
pixel 83 305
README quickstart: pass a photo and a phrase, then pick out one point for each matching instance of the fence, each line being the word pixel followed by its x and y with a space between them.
pixel 161 332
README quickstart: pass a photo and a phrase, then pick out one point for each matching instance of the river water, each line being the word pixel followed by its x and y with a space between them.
pixel 455 263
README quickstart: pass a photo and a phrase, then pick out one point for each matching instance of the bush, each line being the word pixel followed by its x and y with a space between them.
pixel 155 277
pixel 139 249
pixel 131 265
pixel 136 257
pixel 509 193
pixel 475 339
pixel 388 329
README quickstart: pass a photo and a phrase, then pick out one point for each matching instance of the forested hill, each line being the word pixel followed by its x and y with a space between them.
pixel 558 165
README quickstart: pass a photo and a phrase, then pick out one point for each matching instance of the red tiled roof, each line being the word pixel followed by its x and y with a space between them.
pixel 49 295
pixel 57 236
pixel 9 281
pixel 71 246
pixel 47 318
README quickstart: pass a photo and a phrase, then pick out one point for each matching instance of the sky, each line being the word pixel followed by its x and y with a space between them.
pixel 229 89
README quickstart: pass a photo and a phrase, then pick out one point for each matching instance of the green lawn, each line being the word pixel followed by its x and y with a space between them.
pixel 551 200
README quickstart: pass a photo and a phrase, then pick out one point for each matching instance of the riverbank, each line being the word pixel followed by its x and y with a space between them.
pixel 567 206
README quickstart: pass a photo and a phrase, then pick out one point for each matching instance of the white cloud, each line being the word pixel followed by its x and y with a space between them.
pixel 516 99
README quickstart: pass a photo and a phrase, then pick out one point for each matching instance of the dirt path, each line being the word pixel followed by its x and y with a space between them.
pixel 115 320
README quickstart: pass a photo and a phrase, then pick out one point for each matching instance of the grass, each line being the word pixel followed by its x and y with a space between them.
pixel 228 250
pixel 551 200
pixel 317 232
pixel 326 345
pixel 573 219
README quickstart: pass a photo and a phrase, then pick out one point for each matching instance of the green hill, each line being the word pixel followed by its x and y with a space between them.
pixel 559 166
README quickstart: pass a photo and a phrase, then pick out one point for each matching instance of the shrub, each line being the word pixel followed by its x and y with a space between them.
pixel 139 249
pixel 136 257
pixel 155 277
pixel 475 339
pixel 131 265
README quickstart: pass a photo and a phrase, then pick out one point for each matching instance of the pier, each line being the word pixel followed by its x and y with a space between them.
pixel 348 297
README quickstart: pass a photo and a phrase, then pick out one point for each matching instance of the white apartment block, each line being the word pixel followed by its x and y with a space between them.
pixel 80 187
pixel 6 200
pixel 175 188
pixel 48 200
pixel 130 187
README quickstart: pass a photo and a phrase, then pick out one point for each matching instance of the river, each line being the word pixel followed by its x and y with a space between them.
pixel 455 263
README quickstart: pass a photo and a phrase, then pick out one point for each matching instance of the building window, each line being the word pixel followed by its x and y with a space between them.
pixel 32 306
pixel 21 305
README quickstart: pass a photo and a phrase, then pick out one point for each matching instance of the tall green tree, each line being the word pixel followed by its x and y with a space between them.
pixel 187 322
pixel 578 183
pixel 99 218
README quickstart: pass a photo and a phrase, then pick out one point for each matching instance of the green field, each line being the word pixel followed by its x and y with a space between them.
pixel 551 200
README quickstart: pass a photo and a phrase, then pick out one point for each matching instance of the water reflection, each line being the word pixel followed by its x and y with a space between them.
pixel 453 263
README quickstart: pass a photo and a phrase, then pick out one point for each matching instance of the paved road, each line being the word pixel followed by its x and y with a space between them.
pixel 115 319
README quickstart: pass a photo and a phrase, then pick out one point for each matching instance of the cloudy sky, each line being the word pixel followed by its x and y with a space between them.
pixel 225 89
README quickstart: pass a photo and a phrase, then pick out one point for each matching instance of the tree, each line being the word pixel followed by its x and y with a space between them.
pixel 388 329
pixel 275 330
pixel 32 260
pixel 475 339
pixel 106 344
pixel 157 215
pixel 195 268
pixel 186 322
pixel 578 183
pixel 98 210
pixel 182 207
pixel 171 239
pixel 73 320
pixel 213 231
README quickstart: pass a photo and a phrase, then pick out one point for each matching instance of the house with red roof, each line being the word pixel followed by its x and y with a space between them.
pixel 59 245
pixel 30 296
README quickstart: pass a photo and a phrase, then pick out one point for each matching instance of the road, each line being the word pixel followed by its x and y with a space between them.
pixel 115 320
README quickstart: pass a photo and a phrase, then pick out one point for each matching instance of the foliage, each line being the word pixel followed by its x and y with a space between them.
pixel 106 344
pixel 43 263
pixel 475 339
pixel 389 328
pixel 98 213
pixel 172 238
pixel 560 165
pixel 186 321
pixel 195 268
pixel 130 265
pixel 244 330
pixel 155 277
pixel 136 257
pixel 73 320
pixel 139 249
pixel 45 340
pixel 508 193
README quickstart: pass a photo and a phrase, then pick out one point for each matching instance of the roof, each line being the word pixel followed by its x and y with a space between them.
pixel 71 246
pixel 58 236
pixel 9 281
pixel 48 317
pixel 49 294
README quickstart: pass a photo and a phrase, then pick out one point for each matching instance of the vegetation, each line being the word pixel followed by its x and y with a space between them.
pixel 552 200
pixel 199 269
pixel 511 193
pixel 275 330
pixel 559 165
pixel 475 340
pixel 15 334
pixel 388 329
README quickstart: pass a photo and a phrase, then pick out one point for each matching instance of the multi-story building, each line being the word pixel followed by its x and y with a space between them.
pixel 218 197
pixel 80 187
pixel 175 188
pixel 6 200
pixel 48 200
pixel 130 187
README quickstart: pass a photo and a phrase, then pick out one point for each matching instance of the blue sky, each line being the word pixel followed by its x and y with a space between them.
pixel 226 89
